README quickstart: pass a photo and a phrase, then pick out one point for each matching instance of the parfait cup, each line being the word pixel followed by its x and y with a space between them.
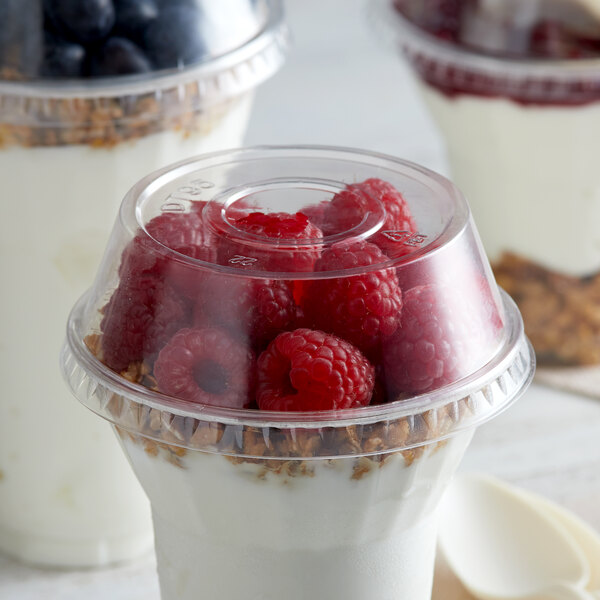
pixel 294 375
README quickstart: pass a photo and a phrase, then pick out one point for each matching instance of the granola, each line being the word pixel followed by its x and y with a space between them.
pixel 561 312
pixel 281 451
pixel 106 122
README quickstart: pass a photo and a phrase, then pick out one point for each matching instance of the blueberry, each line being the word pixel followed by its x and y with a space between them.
pixel 118 56
pixel 21 37
pixel 176 38
pixel 133 17
pixel 62 58
pixel 173 3
pixel 85 21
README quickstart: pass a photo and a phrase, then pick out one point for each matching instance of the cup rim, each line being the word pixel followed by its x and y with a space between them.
pixel 146 187
pixel 514 357
pixel 482 393
pixel 263 53
pixel 415 40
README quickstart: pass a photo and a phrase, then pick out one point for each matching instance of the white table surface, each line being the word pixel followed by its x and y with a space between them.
pixel 341 87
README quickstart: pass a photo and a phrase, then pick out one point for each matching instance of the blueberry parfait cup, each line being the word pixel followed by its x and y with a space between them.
pixel 93 96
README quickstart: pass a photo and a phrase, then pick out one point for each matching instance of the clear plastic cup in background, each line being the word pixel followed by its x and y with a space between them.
pixel 516 96
pixel 294 346
pixel 69 151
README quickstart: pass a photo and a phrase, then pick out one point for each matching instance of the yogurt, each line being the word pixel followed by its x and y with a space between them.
pixel 71 146
pixel 371 535
pixel 69 514
pixel 518 164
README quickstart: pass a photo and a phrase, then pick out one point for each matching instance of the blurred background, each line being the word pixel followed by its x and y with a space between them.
pixel 343 86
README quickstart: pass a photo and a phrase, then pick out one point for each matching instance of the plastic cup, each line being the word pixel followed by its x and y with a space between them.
pixel 253 466
pixel 69 151
pixel 521 135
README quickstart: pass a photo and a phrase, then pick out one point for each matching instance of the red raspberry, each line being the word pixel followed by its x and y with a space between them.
pixel 455 267
pixel 379 389
pixel 349 207
pixel 440 339
pixel 198 207
pixel 362 309
pixel 316 213
pixel 306 370
pixel 141 316
pixel 284 227
pixel 182 232
pixel 206 366
pixel 254 309
pixel 552 39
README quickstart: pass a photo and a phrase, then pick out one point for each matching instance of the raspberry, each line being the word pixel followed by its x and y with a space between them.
pixel 206 366
pixel 552 39
pixel 439 340
pixel 198 207
pixel 379 395
pixel 141 316
pixel 304 370
pixel 455 267
pixel 283 227
pixel 254 309
pixel 182 232
pixel 316 213
pixel 362 309
pixel 348 208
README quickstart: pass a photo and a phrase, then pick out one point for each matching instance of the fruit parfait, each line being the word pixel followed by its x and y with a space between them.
pixel 294 346
pixel 515 90
pixel 93 96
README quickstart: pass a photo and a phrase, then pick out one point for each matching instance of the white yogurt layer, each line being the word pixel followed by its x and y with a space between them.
pixel 231 531
pixel 530 174
pixel 67 495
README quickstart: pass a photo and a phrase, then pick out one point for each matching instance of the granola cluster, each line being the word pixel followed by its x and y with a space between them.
pixel 106 122
pixel 561 312
pixel 284 451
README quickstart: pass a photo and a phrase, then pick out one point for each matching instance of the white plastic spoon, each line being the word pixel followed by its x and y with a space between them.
pixel 583 535
pixel 502 547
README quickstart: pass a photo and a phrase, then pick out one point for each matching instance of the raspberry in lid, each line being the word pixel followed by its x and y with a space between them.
pixel 291 287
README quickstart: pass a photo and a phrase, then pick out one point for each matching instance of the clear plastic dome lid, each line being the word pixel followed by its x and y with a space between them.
pixel 68 39
pixel 161 65
pixel 533 52
pixel 115 48
pixel 295 284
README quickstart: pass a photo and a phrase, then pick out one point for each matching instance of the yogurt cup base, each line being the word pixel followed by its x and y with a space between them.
pixel 53 552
